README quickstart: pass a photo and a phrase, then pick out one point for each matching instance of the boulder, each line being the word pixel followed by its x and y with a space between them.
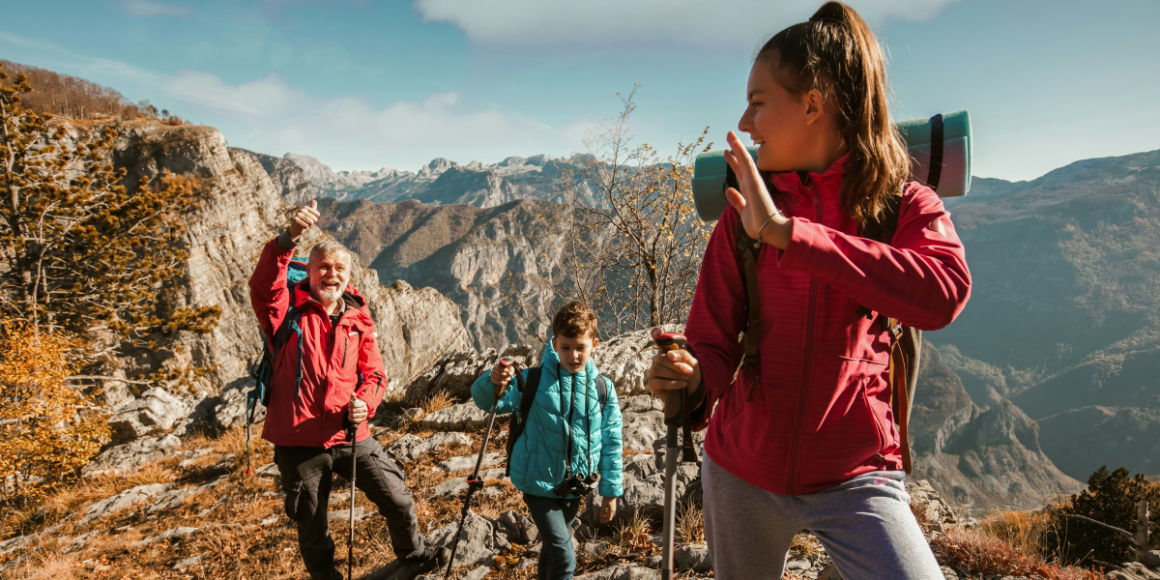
pixel 640 429
pixel 928 504
pixel 644 490
pixel 230 410
pixel 409 448
pixel 455 372
pixel 129 457
pixel 481 539
pixel 155 411
pixel 692 557
pixel 461 416
pixel 521 529
pixel 172 499
pixel 625 358
pixel 125 499
pixel 457 484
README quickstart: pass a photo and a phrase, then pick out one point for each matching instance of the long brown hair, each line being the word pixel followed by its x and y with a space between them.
pixel 836 53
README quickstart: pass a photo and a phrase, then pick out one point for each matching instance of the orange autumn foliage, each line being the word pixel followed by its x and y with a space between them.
pixel 48 427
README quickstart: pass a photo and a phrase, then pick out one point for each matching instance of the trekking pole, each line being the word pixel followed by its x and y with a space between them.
pixel 674 415
pixel 351 430
pixel 475 483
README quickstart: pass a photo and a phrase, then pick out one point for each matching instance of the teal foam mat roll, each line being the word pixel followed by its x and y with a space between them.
pixel 949 175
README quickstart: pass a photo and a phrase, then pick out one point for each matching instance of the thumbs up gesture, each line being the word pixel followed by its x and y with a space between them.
pixel 304 219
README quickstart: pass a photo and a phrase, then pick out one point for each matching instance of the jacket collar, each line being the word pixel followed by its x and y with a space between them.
pixel 550 363
pixel 790 183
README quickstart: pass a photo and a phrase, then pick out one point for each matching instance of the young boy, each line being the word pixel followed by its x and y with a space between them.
pixel 568 436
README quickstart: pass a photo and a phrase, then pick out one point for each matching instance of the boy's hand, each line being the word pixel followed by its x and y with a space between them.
pixel 607 510
pixel 501 375
pixel 675 369
pixel 358 410
pixel 303 220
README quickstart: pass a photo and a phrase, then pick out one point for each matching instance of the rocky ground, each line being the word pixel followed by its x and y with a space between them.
pixel 187 508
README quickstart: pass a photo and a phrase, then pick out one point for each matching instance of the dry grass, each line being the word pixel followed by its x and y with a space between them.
pixel 980 553
pixel 437 402
pixel 690 523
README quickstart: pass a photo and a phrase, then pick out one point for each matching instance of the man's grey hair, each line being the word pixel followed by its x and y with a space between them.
pixel 328 248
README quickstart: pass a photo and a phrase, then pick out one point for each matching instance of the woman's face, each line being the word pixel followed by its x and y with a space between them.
pixel 778 121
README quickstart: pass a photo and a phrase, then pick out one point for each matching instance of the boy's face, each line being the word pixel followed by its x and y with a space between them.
pixel 574 352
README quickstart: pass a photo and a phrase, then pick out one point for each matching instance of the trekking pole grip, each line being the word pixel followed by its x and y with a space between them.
pixel 674 399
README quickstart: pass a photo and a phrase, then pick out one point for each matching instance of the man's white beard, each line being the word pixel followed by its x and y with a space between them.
pixel 326 295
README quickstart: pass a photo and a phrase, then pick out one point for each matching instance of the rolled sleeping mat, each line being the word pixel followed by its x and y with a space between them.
pixel 945 166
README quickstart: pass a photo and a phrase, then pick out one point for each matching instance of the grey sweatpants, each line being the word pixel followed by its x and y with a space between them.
pixel 865 525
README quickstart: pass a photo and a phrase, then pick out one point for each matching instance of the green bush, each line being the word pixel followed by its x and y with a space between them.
pixel 1110 498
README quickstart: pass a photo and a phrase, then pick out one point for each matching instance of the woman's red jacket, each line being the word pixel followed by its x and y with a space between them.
pixel 817 410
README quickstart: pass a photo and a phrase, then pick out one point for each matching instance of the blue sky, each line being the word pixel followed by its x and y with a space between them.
pixel 366 84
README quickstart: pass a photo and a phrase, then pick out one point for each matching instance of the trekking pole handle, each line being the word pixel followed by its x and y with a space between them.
pixel 505 362
pixel 674 399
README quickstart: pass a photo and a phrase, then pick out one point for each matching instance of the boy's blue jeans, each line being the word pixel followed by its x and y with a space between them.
pixel 553 517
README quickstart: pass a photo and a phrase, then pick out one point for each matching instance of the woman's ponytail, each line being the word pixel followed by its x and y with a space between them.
pixel 836 53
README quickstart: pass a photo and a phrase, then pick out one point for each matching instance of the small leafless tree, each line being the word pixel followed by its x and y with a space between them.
pixel 634 242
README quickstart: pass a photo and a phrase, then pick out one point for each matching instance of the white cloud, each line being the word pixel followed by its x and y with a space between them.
pixel 348 133
pixel 147 8
pixel 697 23
pixel 257 97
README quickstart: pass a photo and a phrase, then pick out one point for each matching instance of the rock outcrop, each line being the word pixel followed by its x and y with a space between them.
pixel 241 210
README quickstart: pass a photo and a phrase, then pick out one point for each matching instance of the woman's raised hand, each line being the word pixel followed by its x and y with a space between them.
pixel 759 216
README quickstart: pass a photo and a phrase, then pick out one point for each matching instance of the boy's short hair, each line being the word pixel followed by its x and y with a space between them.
pixel 575 320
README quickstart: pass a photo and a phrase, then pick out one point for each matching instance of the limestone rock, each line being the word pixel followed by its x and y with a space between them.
pixel 481 539
pixel 455 372
pixel 692 557
pixel 172 499
pixel 623 572
pixel 1134 571
pixel 457 484
pixel 409 448
pixel 924 498
pixel 125 499
pixel 640 430
pixel 156 411
pixel 626 358
pixel 644 491
pixel 129 457
pixel 468 462
pixel 461 416
pixel 521 529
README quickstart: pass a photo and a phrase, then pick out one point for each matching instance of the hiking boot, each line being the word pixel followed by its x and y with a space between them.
pixel 429 559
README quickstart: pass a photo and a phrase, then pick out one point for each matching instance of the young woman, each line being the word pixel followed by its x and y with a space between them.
pixel 805 438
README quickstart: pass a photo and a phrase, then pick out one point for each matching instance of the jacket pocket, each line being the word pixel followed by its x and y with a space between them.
pixel 882 433
pixel 740 392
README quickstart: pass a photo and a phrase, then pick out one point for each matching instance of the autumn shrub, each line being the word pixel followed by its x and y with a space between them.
pixel 980 553
pixel 1111 498
pixel 49 427
pixel 1025 531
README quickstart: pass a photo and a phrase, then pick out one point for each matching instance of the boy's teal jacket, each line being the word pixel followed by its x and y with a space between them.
pixel 537 462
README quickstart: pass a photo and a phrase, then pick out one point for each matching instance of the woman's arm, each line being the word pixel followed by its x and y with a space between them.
pixel 921 278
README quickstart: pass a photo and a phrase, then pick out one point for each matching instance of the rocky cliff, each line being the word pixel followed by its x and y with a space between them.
pixel 241 210
pixel 983 459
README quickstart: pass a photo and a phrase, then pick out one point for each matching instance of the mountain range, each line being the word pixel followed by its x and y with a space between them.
pixel 1062 323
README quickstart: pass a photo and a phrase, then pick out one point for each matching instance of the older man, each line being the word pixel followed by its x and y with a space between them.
pixel 327 372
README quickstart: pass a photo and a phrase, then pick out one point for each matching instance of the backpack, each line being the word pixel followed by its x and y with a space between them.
pixel 905 341
pixel 263 370
pixel 519 419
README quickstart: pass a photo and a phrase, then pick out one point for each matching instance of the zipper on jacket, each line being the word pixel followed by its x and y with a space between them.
pixel 807 364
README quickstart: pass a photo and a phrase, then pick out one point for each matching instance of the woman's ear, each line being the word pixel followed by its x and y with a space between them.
pixel 815 106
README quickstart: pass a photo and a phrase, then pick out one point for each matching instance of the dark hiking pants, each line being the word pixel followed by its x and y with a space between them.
pixel 306 478
pixel 554 517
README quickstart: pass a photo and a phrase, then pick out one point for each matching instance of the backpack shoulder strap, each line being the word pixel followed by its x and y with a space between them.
pixel 747 250
pixel 905 341
pixel 603 384
pixel 531 386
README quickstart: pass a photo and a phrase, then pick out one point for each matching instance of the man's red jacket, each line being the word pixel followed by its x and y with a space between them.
pixel 818 411
pixel 333 359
